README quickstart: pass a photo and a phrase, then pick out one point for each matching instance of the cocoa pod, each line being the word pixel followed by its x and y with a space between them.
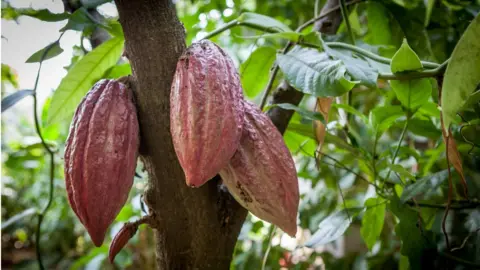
pixel 100 156
pixel 261 175
pixel 206 111
pixel 121 239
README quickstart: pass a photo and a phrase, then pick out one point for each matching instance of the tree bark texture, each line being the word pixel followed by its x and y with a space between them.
pixel 195 228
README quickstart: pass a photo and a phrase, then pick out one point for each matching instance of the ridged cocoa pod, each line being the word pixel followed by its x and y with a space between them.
pixel 261 176
pixel 121 239
pixel 100 156
pixel 206 111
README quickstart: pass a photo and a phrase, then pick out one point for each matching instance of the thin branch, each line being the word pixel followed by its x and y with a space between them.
pixel 402 136
pixel 343 9
pixel 51 153
pixel 269 247
pixel 460 260
pixel 450 196
pixel 373 56
pixel 222 29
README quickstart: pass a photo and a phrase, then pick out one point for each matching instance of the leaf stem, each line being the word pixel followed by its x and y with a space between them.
pixel 343 9
pixel 269 247
pixel 51 153
pixel 415 75
pixel 375 57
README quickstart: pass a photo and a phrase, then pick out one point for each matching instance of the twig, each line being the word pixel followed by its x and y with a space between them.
pixel 404 131
pixel 343 9
pixel 51 154
pixel 449 200
pixel 415 75
pixel 267 251
pixel 373 56
pixel 460 260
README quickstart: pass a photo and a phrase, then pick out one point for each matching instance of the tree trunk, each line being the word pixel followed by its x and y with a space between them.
pixel 195 228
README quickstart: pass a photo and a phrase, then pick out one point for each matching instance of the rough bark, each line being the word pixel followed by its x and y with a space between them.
pixel 195 228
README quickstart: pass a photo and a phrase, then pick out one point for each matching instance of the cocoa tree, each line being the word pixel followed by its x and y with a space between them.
pixel 375 156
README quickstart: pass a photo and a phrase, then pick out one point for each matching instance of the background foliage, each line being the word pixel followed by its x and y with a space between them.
pixel 374 198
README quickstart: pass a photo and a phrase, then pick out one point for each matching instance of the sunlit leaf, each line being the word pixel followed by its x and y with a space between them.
pixel 372 221
pixel 463 74
pixel 254 72
pixel 268 23
pixel 118 71
pixel 82 77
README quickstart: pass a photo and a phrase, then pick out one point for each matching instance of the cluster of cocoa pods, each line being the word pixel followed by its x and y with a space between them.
pixel 214 131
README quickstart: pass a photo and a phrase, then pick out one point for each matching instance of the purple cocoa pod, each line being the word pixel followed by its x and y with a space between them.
pixel 206 111
pixel 261 176
pixel 100 156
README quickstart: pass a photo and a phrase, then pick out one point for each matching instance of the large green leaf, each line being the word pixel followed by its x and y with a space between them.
pixel 405 59
pixel 79 20
pixel 412 93
pixel 332 227
pixel 378 24
pixel 423 185
pixel 463 72
pixel 54 49
pixel 261 21
pixel 372 221
pixel 313 72
pixel 82 76
pixel 254 72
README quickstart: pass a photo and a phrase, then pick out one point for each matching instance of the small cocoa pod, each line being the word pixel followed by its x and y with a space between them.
pixel 261 175
pixel 206 111
pixel 121 239
pixel 100 156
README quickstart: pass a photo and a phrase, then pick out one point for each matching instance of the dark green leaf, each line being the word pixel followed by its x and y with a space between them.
pixel 382 118
pixel 254 72
pixel 412 93
pixel 82 76
pixel 463 73
pixel 474 98
pixel 350 110
pixel 264 22
pixel 357 68
pixel 303 112
pixel 378 24
pixel 332 227
pixel 423 185
pixel 404 173
pixel 54 49
pixel 313 72
pixel 372 221
pixel 78 21
pixel 12 99
pixel 424 127
pixel 405 59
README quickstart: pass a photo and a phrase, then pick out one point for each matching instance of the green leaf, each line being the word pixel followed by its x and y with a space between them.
pixel 405 59
pixel 372 221
pixel 358 69
pixel 428 12
pixel 423 185
pixel 412 93
pixel 474 98
pixel 12 99
pixel 81 77
pixel 313 72
pixel 350 110
pixel 378 24
pixel 78 21
pixel 254 72
pixel 302 129
pixel 118 71
pixel 401 171
pixel 54 49
pixel 10 13
pixel 291 36
pixel 262 21
pixel 463 73
pixel 303 112
pixel 332 227
pixel 423 127
pixel 17 217
pixel 382 118
pixel 414 242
